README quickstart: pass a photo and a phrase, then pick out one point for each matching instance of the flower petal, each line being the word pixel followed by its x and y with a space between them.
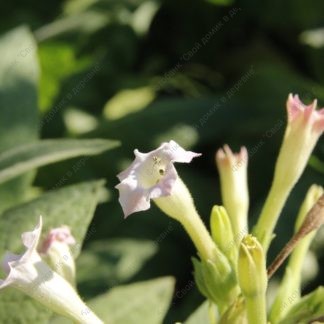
pixel 31 239
pixel 7 259
pixel 132 197
pixel 176 153
pixel 5 283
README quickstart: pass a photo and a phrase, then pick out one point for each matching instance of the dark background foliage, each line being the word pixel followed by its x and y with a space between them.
pixel 196 72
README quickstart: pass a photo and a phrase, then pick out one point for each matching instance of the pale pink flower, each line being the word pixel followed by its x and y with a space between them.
pixel 151 175
pixel 60 234
pixel 303 115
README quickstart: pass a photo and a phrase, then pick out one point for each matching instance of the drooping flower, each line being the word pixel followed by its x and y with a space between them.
pixel 151 175
pixel 305 126
pixel 31 275
pixel 56 249
pixel 234 187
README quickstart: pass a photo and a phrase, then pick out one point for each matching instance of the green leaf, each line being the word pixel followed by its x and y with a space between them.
pixel 142 302
pixel 115 261
pixel 18 103
pixel 18 160
pixel 306 309
pixel 128 101
pixel 200 315
pixel 73 206
pixel 221 2
pixel 51 55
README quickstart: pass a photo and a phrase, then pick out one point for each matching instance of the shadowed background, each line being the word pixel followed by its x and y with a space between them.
pixel 202 73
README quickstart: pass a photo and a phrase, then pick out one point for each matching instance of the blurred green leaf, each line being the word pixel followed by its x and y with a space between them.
pixel 51 55
pixel 78 121
pixel 86 22
pixel 140 302
pixel 73 206
pixel 18 103
pixel 200 315
pixel 21 159
pixel 128 101
pixel 221 2
pixel 143 16
pixel 316 164
pixel 313 38
pixel 115 261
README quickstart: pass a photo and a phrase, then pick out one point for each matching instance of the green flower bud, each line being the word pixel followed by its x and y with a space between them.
pixel 222 233
pixel 252 277
pixel 252 272
pixel 216 280
pixel 236 313
pixel 232 169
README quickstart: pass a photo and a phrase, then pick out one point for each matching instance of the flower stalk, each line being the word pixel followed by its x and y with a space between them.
pixel 180 206
pixel 313 221
pixel 305 126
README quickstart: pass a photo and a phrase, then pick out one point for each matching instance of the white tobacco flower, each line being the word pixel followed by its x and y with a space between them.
pixel 31 275
pixel 151 175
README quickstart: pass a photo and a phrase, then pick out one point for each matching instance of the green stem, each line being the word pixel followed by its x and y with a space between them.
pixel 256 309
pixel 270 213
pixel 212 313
pixel 180 206
pixel 199 235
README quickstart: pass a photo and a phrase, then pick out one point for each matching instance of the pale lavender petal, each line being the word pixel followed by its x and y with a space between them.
pixel 177 154
pixel 7 259
pixel 132 197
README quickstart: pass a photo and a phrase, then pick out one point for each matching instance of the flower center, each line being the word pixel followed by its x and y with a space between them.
pixel 152 172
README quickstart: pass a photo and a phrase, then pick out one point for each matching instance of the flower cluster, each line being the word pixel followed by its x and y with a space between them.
pixel 230 267
pixel 231 270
